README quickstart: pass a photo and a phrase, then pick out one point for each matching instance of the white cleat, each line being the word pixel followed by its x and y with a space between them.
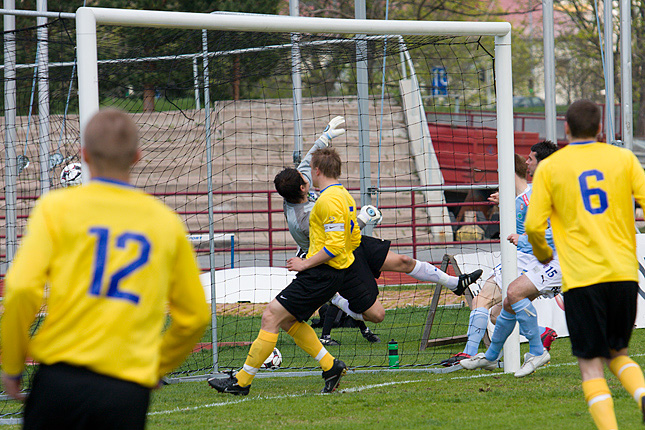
pixel 532 362
pixel 478 361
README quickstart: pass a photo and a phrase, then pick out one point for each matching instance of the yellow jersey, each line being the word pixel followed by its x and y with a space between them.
pixel 333 226
pixel 586 190
pixel 115 261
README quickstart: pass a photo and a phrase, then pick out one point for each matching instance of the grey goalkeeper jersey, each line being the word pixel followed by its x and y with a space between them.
pixel 298 214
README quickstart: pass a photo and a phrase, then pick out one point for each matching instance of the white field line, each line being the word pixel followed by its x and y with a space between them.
pixel 346 390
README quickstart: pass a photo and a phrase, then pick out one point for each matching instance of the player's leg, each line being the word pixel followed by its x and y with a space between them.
pixel 488 296
pixel 518 301
pixel 587 321
pixel 331 316
pixel 621 317
pixel 424 271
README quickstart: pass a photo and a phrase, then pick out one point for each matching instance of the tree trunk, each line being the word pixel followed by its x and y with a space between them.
pixel 148 98
pixel 236 77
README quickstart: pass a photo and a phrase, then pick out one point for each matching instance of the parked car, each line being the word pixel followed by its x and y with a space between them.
pixel 521 101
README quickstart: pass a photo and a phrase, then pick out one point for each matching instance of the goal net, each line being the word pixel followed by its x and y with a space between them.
pixel 219 116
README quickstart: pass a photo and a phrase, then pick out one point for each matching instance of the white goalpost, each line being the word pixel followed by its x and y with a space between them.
pixel 87 20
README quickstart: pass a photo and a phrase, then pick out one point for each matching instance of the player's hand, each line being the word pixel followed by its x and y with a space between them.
pixel 370 215
pixel 513 238
pixel 11 386
pixel 547 260
pixel 332 130
pixel 296 264
pixel 494 197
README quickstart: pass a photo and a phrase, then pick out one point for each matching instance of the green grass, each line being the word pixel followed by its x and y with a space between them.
pixel 549 399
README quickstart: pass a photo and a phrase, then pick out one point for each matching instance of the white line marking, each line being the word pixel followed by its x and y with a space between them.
pixel 347 390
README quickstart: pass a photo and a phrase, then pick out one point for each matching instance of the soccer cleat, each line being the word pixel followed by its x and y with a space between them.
pixel 333 375
pixel 370 336
pixel 532 362
pixel 478 361
pixel 643 408
pixel 548 337
pixel 455 359
pixel 328 341
pixel 229 385
pixel 466 280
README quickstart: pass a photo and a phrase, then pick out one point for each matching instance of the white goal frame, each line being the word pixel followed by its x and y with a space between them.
pixel 87 19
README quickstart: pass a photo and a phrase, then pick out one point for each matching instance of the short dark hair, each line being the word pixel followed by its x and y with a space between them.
pixel 520 166
pixel 583 117
pixel 287 184
pixel 328 161
pixel 543 149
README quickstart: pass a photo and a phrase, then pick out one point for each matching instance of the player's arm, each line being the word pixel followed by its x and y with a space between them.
pixel 24 289
pixel 638 180
pixel 537 216
pixel 188 309
pixel 332 130
pixel 297 264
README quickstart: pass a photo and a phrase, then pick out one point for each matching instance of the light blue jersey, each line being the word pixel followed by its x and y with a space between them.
pixel 521 208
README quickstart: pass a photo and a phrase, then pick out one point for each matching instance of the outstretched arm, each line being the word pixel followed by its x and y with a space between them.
pixel 332 130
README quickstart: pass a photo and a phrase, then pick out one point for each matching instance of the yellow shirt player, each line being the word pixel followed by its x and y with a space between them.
pixel 115 261
pixel 587 190
pixel 334 234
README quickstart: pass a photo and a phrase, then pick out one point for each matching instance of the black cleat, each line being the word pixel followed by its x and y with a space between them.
pixel 454 360
pixel 228 385
pixel 466 280
pixel 643 408
pixel 333 375
pixel 328 341
pixel 370 336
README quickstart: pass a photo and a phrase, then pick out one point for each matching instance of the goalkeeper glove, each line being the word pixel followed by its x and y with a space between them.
pixel 332 130
pixel 370 215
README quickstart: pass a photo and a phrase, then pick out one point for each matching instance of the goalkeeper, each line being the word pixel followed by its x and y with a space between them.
pixel 373 255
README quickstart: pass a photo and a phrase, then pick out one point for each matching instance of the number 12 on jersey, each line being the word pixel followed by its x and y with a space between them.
pixel 100 262
pixel 594 198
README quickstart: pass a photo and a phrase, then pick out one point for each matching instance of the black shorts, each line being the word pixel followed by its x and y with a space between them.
pixel 69 397
pixel 600 317
pixel 310 290
pixel 360 288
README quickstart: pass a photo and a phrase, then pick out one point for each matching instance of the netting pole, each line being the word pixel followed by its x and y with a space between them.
pixel 549 70
pixel 363 114
pixel 626 99
pixel 196 84
pixel 209 174
pixel 43 96
pixel 609 72
pixel 506 167
pixel 10 131
pixel 296 78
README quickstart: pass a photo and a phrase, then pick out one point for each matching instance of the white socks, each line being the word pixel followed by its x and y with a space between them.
pixel 343 304
pixel 424 271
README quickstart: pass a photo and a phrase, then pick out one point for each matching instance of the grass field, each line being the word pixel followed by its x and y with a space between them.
pixel 551 398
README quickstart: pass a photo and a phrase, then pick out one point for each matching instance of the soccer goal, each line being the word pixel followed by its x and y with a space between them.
pixel 225 101
pixel 241 143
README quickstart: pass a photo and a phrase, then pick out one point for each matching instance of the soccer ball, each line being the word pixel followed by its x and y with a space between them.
pixel 71 175
pixel 273 361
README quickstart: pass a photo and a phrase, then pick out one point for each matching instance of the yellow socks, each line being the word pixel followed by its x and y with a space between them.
pixel 630 375
pixel 259 351
pixel 306 338
pixel 600 403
